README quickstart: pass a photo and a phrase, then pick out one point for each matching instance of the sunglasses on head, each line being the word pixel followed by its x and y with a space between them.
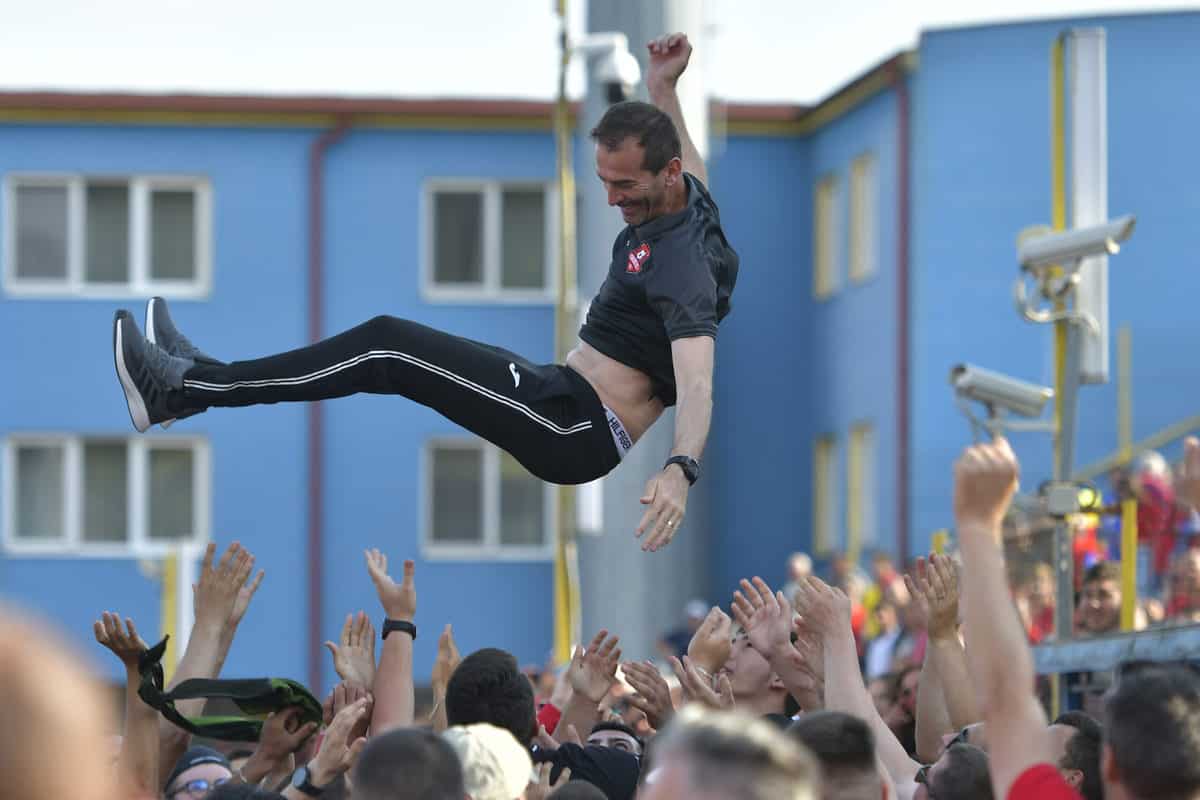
pixel 200 786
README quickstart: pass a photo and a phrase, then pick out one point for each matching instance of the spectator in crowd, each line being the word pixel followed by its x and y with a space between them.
pixel 675 642
pixel 616 735
pixel 881 650
pixel 845 749
pixel 495 766
pixel 408 764
pixel 488 687
pixel 1099 609
pixel 800 566
pixel 1152 483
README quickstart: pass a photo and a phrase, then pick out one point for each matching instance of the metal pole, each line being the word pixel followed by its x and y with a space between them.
pixel 1129 531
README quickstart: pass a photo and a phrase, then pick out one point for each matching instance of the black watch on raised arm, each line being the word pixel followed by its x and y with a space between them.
pixel 689 465
pixel 402 625
pixel 302 780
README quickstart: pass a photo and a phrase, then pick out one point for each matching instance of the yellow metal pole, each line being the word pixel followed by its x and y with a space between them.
pixel 1129 531
pixel 566 567
pixel 169 613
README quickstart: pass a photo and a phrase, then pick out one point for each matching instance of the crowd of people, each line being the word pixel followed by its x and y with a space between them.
pixel 911 685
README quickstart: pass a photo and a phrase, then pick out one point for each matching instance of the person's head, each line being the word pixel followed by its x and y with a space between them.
pixel 886 616
pixel 408 764
pixel 881 692
pixel 1100 600
pixel 756 688
pixel 1152 733
pixel 56 720
pixel 638 159
pixel 800 566
pixel 242 791
pixel 494 765
pixel 705 755
pixel 845 748
pixel 695 611
pixel 487 686
pixel 1040 585
pixel 616 735
pixel 960 773
pixel 904 690
pixel 1079 760
pixel 196 773
pixel 883 567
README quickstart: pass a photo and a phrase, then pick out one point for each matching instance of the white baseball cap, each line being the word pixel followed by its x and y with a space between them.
pixel 495 766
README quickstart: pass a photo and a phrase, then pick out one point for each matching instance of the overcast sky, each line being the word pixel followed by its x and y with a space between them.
pixel 761 50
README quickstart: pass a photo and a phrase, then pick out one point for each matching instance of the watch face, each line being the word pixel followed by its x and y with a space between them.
pixel 300 777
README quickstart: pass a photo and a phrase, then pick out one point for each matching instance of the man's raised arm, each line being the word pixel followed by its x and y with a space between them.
pixel 668 59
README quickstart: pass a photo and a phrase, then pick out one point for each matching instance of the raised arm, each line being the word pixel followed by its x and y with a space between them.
pixel 669 57
pixel 591 674
pixel 394 696
pixel 138 765
pixel 767 620
pixel 935 587
pixel 667 492
pixel 985 479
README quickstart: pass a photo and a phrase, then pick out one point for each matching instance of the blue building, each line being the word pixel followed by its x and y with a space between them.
pixel 876 231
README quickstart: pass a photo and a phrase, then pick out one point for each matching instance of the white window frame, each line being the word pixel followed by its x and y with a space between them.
pixel 864 218
pixel 490 549
pixel 827 250
pixel 140 283
pixel 490 290
pixel 138 544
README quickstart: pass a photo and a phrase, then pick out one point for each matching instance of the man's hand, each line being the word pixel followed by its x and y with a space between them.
pixel 399 601
pixel 653 696
pixel 593 672
pixel 282 735
pixel 339 749
pixel 125 644
pixel 1188 485
pixel 668 59
pixel 825 610
pixel 542 789
pixel 221 595
pixel 769 626
pixel 935 589
pixel 447 660
pixel 666 494
pixel 985 479
pixel 697 688
pixel 354 659
pixel 710 645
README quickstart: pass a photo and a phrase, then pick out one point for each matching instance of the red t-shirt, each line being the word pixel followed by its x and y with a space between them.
pixel 1042 782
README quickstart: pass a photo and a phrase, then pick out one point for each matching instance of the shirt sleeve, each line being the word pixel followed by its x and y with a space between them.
pixel 1041 782
pixel 682 290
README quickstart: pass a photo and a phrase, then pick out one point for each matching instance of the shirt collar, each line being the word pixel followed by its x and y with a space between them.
pixel 666 222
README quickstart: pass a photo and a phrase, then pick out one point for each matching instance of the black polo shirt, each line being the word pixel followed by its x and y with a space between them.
pixel 670 278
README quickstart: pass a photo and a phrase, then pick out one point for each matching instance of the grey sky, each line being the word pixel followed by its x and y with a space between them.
pixel 760 50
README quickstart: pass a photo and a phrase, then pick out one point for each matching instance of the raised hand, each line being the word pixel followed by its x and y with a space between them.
pixel 218 599
pixel 669 57
pixel 710 645
pixel 447 659
pixel 354 657
pixel 935 589
pixel 282 735
pixel 653 696
pixel 985 479
pixel 542 789
pixel 593 671
pixel 699 689
pixel 340 748
pixel 769 627
pixel 399 600
pixel 825 610
pixel 125 644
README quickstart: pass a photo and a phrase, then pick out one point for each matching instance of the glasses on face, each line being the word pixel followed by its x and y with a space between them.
pixel 198 787
pixel 922 777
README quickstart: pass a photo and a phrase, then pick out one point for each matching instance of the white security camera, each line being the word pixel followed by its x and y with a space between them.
pixel 616 69
pixel 997 391
pixel 1068 248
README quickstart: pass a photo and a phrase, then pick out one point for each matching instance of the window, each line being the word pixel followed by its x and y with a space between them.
pixel 825 494
pixel 107 497
pixel 489 240
pixel 107 236
pixel 825 238
pixel 860 484
pixel 481 503
pixel 864 243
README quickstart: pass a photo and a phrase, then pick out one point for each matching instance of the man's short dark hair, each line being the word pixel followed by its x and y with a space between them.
pixel 1152 724
pixel 966 775
pixel 488 686
pixel 577 790
pixel 1104 571
pixel 620 727
pixel 408 764
pixel 646 124
pixel 845 747
pixel 1083 752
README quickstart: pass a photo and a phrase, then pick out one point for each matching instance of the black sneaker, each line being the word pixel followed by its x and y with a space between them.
pixel 161 330
pixel 147 373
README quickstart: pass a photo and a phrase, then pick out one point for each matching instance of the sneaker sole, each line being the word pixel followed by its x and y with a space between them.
pixel 137 406
pixel 150 304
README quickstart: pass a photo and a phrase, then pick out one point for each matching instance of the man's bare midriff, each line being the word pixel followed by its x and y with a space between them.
pixel 626 391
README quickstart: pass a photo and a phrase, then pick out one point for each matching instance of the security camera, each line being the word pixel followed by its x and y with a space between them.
pixel 1068 248
pixel 616 69
pixel 999 391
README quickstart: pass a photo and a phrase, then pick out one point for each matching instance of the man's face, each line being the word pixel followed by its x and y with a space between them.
pixel 1100 606
pixel 617 740
pixel 639 193
pixel 748 671
pixel 186 786
pixel 908 691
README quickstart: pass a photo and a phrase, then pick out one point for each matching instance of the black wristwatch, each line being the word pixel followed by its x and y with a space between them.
pixel 301 781
pixel 689 465
pixel 403 626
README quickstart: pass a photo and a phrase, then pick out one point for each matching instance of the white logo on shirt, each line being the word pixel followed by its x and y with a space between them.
pixel 516 375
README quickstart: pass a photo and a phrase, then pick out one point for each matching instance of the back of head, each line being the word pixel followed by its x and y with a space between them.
pixel 735 756
pixel 845 748
pixel 1152 725
pixel 577 790
pixel 1083 752
pixel 408 764
pixel 966 776
pixel 494 766
pixel 487 686
pixel 54 721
